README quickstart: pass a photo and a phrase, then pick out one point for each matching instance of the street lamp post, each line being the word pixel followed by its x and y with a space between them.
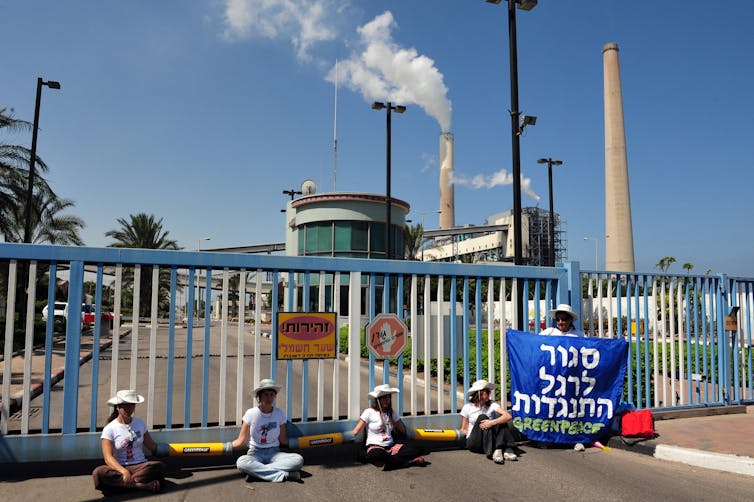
pixel 596 248
pixel 388 220
pixel 516 147
pixel 551 163
pixel 33 157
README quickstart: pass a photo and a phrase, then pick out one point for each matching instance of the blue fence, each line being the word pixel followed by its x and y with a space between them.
pixel 194 331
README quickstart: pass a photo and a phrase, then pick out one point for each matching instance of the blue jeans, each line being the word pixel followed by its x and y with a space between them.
pixel 269 464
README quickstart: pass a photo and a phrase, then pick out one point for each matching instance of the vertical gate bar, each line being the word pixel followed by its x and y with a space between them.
pixel 240 345
pixel 402 315
pixel 354 345
pixel 466 372
pixel 115 357
pixel 189 349
pixel 151 395
pixel 72 348
pixel 29 346
pixel 647 380
pixel 336 363
pixel 8 349
pixel 95 349
pixel 453 295
pixel 47 386
pixel 371 309
pixel 386 309
pixel 207 347
pixel 491 375
pixel 291 306
pixel 440 345
pixel 503 347
pixel 274 325
pixel 258 323
pixel 135 314
pixel 537 296
pixel 478 325
pixel 414 340
pixel 171 349
pixel 322 307
pixel 659 333
pixel 305 302
pixel 426 324
pixel 223 348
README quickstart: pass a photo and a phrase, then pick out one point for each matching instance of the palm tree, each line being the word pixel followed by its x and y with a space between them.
pixel 413 238
pixel 144 231
pixel 665 263
pixel 48 224
pixel 687 267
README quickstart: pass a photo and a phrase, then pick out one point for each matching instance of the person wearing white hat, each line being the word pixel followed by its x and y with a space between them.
pixel 122 440
pixel 382 422
pixel 486 424
pixel 565 317
pixel 263 432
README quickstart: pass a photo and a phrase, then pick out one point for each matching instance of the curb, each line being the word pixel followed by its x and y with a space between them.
pixel 698 458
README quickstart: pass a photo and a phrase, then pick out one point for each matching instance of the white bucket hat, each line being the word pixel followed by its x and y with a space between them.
pixel 566 309
pixel 382 390
pixel 126 396
pixel 266 384
pixel 481 385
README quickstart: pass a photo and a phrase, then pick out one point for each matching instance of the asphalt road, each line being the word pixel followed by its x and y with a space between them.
pixel 552 474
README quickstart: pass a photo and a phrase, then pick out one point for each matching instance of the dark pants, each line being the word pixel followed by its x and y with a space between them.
pixel 487 441
pixel 106 477
pixel 392 457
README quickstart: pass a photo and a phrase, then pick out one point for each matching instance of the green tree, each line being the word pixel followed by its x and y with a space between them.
pixel 665 263
pixel 49 224
pixel 687 267
pixel 144 231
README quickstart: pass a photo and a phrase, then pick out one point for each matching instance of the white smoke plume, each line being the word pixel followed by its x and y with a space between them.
pixel 303 22
pixel 501 177
pixel 381 70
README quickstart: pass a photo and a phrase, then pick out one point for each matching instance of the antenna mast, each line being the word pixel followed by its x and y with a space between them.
pixel 335 133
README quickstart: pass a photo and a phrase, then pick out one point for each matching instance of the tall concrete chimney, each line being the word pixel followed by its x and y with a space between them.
pixel 619 243
pixel 447 189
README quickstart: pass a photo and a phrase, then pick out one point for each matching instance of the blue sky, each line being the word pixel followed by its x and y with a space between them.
pixel 202 112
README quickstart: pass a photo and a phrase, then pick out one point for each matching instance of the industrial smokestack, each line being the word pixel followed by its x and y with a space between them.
pixel 619 244
pixel 447 189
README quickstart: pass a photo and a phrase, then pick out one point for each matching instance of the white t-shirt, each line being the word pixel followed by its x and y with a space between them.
pixel 264 427
pixel 127 440
pixel 556 332
pixel 471 412
pixel 379 428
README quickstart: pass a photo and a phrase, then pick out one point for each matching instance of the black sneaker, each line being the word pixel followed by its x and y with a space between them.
pixel 294 476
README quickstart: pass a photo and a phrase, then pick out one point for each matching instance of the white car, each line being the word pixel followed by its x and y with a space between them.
pixel 60 310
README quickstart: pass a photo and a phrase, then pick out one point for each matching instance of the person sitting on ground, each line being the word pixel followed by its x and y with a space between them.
pixel 565 317
pixel 382 423
pixel 263 432
pixel 122 438
pixel 487 424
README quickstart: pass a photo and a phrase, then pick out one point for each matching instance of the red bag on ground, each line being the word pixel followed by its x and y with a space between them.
pixel 638 424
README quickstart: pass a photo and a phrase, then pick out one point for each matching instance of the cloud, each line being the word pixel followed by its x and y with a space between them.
pixel 428 162
pixel 501 177
pixel 381 70
pixel 303 22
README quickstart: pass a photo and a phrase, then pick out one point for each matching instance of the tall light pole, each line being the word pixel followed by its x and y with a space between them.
pixel 33 157
pixel 388 221
pixel 551 163
pixel 596 249
pixel 516 147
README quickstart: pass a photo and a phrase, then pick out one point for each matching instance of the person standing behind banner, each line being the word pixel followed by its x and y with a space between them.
pixel 565 317
pixel 121 439
pixel 382 422
pixel 262 432
pixel 486 424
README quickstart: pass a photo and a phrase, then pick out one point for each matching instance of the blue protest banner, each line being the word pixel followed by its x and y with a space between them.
pixel 565 389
